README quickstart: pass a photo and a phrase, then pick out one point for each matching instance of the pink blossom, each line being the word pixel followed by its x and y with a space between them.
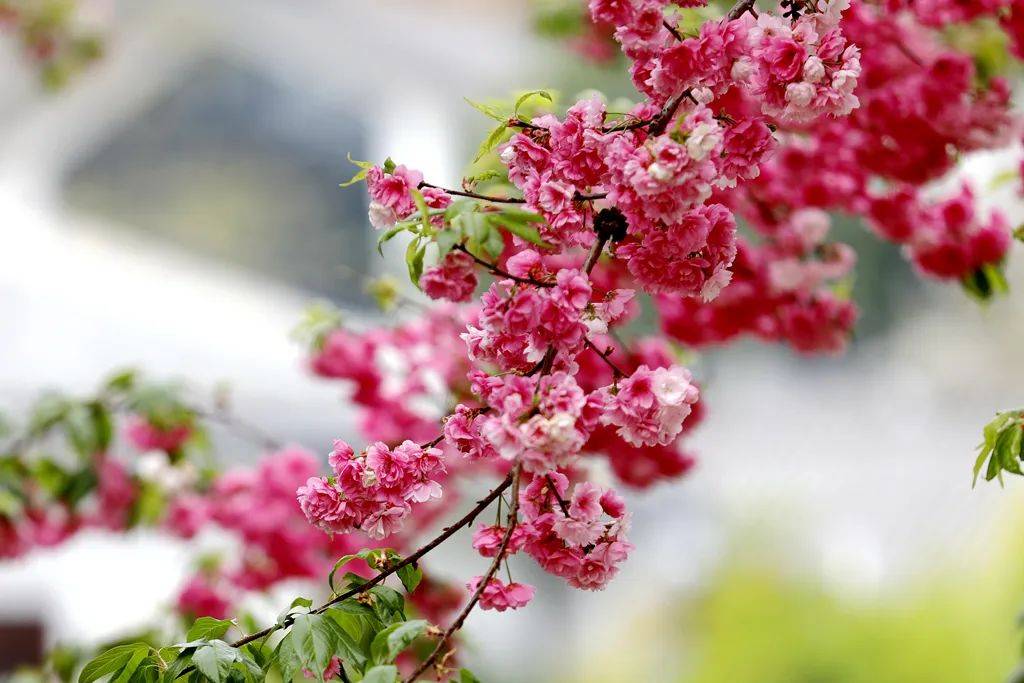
pixel 499 596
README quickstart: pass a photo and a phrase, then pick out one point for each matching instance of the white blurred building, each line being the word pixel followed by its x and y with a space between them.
pixel 236 116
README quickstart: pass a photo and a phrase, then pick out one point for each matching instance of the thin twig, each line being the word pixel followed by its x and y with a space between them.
pixel 673 30
pixel 554 489
pixel 604 355
pixel 740 8
pixel 445 534
pixel 493 269
pixel 476 195
pixel 513 518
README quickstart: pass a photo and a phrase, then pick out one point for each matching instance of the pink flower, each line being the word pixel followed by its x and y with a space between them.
pixel 499 596
pixel 453 279
pixel 147 436
pixel 394 190
pixel 321 502
pixel 199 598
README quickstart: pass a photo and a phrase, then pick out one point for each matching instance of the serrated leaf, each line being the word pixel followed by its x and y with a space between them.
pixel 131 668
pixel 387 673
pixel 391 641
pixel 521 229
pixel 494 243
pixel 414 254
pixel 111 661
pixel 364 167
pixel 215 660
pixel 386 237
pixel 315 640
pixel 543 94
pixel 410 577
pixel 208 628
pixel 389 605
pixel 445 240
pixel 421 206
pixel 487 110
pixel 288 658
pixel 489 143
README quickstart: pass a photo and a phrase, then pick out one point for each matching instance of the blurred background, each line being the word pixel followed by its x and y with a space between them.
pixel 175 206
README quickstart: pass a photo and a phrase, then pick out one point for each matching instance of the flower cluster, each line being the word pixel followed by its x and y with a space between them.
pixel 649 406
pixel 454 278
pixel 516 325
pixel 372 491
pixel 585 542
pixel 945 239
pixel 391 192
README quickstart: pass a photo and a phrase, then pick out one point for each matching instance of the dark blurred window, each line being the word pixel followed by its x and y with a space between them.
pixel 21 644
pixel 233 164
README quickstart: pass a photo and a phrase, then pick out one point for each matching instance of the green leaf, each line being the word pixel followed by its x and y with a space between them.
pixel 1002 447
pixel 302 602
pixel 543 94
pixel 391 641
pixel 1019 233
pixel 386 237
pixel 414 254
pixel 372 556
pixel 446 239
pixel 288 658
pixel 122 380
pixel 131 667
pixel 216 660
pixel 466 676
pixel 111 661
pixel 487 110
pixel 381 674
pixel 421 206
pixel 521 228
pixel 315 639
pixel 495 243
pixel 491 141
pixel 208 628
pixel 364 167
pixel 410 577
pixel 389 604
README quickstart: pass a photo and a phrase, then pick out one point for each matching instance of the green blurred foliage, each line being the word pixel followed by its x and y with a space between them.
pixel 759 623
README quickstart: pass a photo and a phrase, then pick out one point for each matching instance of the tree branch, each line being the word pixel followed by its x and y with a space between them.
pixel 493 269
pixel 445 534
pixel 513 518
pixel 476 195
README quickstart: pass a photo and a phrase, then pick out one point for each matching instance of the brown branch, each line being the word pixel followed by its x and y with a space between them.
pixel 493 269
pixel 604 355
pixel 595 254
pixel 445 534
pixel 673 30
pixel 476 195
pixel 513 518
pixel 740 8
pixel 554 489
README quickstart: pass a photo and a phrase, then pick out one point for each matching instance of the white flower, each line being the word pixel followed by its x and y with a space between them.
pixel 714 285
pixel 659 172
pixel 702 94
pixel 671 386
pixel 799 94
pixel 382 217
pixel 814 69
pixel 507 155
pixel 741 69
pixel 704 138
